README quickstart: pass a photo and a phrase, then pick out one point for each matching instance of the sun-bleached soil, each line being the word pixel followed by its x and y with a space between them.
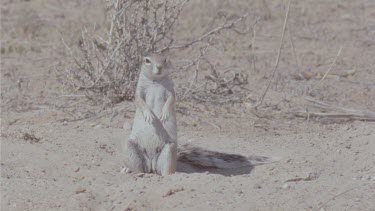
pixel 49 162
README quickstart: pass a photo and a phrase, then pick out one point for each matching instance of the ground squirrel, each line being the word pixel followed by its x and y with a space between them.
pixel 152 145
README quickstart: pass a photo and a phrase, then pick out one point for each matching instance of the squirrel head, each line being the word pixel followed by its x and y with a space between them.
pixel 154 67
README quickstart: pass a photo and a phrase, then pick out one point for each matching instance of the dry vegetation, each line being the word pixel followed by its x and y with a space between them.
pixel 101 64
pixel 259 77
pixel 106 69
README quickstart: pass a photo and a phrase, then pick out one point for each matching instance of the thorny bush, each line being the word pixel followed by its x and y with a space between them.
pixel 106 69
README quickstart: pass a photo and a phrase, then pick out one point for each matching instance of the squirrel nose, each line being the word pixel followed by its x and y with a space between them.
pixel 158 69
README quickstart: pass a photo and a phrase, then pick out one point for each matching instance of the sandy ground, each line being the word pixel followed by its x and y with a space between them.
pixel 49 162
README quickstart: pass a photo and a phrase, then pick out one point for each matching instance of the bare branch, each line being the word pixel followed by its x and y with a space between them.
pixel 105 69
pixel 260 101
pixel 217 30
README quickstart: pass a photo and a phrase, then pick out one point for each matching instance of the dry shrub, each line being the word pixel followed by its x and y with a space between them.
pixel 106 69
pixel 15 94
pixel 228 87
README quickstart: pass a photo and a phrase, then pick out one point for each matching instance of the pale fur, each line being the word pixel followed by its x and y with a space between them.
pixel 152 145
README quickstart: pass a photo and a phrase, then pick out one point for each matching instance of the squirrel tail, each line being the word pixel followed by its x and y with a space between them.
pixel 210 159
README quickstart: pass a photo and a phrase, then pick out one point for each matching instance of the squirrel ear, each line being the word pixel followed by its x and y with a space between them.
pixel 147 60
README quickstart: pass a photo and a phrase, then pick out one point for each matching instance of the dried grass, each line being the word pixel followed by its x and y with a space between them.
pixel 105 70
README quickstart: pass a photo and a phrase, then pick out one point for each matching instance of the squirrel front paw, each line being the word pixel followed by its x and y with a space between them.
pixel 125 170
pixel 164 115
pixel 147 114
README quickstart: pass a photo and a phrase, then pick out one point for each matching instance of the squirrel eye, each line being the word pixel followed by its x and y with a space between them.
pixel 147 61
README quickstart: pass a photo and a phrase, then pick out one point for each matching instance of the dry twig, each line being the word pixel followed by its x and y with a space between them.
pixel 332 64
pixel 330 111
pixel 105 69
pixel 334 197
pixel 260 101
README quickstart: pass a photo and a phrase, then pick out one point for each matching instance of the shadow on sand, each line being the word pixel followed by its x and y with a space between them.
pixel 193 159
pixel 188 168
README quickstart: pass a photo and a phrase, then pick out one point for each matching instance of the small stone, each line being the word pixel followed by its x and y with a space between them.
pixel 140 175
pixel 286 186
pixel 173 191
pixel 98 126
pixel 80 190
pixel 313 176
pixel 257 186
